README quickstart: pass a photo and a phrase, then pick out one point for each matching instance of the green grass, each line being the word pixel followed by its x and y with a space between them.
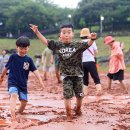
pixel 37 47
pixel 105 50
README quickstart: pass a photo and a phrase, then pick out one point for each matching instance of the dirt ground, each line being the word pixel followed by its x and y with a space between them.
pixel 45 109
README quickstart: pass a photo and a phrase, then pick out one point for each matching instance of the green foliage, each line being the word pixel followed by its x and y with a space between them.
pixel 16 15
pixel 82 22
pixel 115 12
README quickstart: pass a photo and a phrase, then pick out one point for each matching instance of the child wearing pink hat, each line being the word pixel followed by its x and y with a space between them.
pixel 116 63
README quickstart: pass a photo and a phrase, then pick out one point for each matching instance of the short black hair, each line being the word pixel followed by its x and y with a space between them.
pixel 23 41
pixel 67 26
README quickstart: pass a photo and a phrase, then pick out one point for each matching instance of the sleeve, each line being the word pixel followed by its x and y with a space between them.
pixel 7 66
pixel 94 46
pixel 118 51
pixel 84 44
pixel 52 45
pixel 44 53
pixel 32 67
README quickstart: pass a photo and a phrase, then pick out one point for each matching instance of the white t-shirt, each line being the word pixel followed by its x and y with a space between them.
pixel 87 56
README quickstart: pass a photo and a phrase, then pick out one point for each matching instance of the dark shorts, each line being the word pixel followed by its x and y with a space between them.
pixel 117 76
pixel 73 85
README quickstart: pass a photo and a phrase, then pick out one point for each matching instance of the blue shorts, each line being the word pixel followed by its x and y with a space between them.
pixel 22 96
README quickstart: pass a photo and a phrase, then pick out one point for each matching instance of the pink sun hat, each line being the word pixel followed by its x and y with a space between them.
pixel 108 40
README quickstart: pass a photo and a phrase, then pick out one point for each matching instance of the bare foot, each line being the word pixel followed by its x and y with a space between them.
pixel 125 92
pixel 99 93
pixel 69 118
pixel 109 88
pixel 77 112
pixel 59 82
pixel 13 116
pixel 99 90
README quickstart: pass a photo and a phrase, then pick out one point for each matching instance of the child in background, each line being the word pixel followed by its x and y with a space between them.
pixel 4 57
pixel 89 63
pixel 57 64
pixel 70 56
pixel 116 63
pixel 57 67
pixel 46 60
pixel 19 65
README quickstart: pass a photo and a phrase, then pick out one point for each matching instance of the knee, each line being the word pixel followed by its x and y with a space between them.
pixel 14 96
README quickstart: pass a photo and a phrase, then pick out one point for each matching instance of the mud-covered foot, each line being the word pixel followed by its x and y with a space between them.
pixel 99 91
pixel 125 92
pixel 77 112
pixel 59 82
pixel 44 79
pixel 69 118
pixel 108 88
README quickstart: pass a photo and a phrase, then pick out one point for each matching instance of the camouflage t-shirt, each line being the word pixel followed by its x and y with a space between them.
pixel 70 56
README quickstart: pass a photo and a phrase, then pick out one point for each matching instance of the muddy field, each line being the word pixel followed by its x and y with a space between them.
pixel 45 109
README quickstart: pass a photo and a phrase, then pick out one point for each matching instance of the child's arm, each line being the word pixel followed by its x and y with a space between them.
pixel 52 59
pixel 36 72
pixel 43 57
pixel 39 35
pixel 4 71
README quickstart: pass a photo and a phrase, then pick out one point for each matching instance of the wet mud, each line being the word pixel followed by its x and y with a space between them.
pixel 45 109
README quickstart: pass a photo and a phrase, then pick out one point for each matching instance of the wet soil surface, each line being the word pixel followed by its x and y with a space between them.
pixel 45 109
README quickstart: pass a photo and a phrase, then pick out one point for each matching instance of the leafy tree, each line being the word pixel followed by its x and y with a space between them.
pixel 115 12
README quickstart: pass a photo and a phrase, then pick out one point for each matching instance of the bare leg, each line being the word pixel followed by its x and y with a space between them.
pixel 13 100
pixel 123 86
pixel 58 76
pixel 85 90
pixel 22 106
pixel 78 107
pixel 45 75
pixel 99 89
pixel 68 108
pixel 109 83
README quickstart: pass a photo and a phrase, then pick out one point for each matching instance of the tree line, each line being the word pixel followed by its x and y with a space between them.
pixel 16 15
pixel 116 14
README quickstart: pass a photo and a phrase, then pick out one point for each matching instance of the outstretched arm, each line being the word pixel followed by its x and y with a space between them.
pixel 4 71
pixel 93 37
pixel 39 35
pixel 36 72
pixel 52 59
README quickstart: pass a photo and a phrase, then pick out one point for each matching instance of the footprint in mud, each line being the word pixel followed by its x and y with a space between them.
pixel 23 123
pixel 122 127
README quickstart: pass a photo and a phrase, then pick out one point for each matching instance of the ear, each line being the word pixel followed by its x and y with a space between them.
pixel 73 34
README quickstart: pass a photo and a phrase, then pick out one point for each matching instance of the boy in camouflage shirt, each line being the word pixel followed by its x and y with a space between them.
pixel 70 56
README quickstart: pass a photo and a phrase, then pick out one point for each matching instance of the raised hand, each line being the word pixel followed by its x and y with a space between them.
pixel 34 28
pixel 93 36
